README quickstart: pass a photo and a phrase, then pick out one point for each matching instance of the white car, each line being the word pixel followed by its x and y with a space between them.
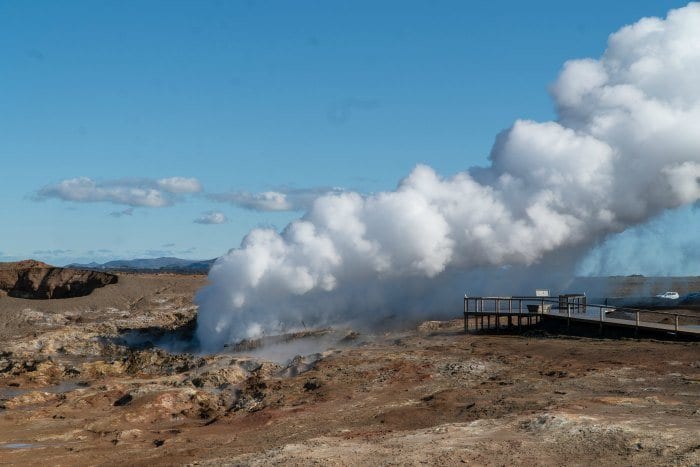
pixel 669 295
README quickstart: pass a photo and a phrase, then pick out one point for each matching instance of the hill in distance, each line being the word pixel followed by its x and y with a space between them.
pixel 164 264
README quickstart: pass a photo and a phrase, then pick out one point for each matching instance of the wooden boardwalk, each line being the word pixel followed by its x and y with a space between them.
pixel 521 311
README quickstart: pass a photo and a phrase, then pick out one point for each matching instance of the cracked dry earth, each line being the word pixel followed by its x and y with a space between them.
pixel 82 384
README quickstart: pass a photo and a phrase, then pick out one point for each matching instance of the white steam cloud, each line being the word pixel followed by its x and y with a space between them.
pixel 665 246
pixel 625 148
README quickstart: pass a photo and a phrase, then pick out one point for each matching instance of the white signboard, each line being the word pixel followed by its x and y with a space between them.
pixel 541 293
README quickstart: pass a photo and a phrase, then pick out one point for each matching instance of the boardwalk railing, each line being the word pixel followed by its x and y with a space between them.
pixel 526 310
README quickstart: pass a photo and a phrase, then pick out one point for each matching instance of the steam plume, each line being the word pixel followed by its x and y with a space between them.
pixel 626 147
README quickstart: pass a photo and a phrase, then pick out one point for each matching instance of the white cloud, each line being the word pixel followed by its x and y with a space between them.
pixel 211 217
pixel 284 199
pixel 265 201
pixel 625 148
pixel 179 185
pixel 139 192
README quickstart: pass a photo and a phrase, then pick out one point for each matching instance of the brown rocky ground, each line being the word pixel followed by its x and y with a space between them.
pixel 80 384
pixel 34 279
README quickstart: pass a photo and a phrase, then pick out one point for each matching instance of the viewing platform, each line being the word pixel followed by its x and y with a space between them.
pixel 518 312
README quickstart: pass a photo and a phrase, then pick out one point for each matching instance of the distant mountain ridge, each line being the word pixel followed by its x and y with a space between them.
pixel 164 264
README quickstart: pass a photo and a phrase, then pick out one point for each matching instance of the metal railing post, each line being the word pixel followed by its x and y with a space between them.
pixel 497 306
pixel 466 314
pixel 510 313
pixel 520 313
pixel 481 303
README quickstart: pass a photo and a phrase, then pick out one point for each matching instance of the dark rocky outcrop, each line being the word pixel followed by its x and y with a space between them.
pixel 37 280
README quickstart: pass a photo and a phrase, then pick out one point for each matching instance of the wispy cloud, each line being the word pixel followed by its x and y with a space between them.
pixel 134 192
pixel 179 185
pixel 265 201
pixel 125 212
pixel 283 199
pixel 158 253
pixel 57 252
pixel 211 217
pixel 341 111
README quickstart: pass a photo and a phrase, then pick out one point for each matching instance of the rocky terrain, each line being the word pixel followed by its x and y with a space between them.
pixel 113 378
pixel 37 280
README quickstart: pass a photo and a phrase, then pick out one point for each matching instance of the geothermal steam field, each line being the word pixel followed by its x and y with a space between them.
pixel 625 148
pixel 339 339
pixel 112 377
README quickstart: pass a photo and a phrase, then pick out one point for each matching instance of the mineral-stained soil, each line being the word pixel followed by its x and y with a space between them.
pixel 81 382
pixel 34 279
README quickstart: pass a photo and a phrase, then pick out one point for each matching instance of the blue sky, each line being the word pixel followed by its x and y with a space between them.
pixel 258 96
